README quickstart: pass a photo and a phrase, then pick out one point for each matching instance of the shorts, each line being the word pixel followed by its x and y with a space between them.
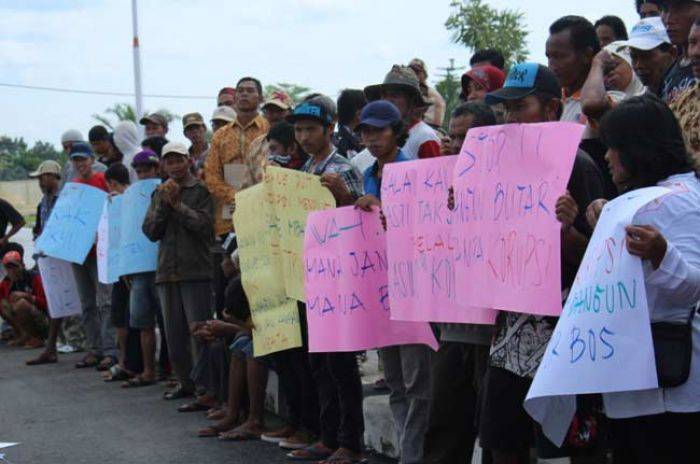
pixel 119 309
pixel 242 347
pixel 504 425
pixel 144 302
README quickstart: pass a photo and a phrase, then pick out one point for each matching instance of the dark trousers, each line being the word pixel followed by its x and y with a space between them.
pixel 660 438
pixel 458 369
pixel 297 383
pixel 340 398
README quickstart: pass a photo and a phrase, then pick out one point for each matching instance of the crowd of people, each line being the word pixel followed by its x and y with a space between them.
pixel 637 94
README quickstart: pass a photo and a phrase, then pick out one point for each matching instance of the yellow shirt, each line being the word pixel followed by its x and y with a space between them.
pixel 231 145
pixel 686 107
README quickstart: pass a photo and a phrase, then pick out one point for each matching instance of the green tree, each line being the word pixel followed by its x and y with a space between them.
pixel 296 92
pixel 450 86
pixel 126 112
pixel 477 25
pixel 17 159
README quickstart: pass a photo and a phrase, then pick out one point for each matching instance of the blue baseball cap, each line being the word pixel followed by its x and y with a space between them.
pixel 81 150
pixel 379 113
pixel 312 109
pixel 525 79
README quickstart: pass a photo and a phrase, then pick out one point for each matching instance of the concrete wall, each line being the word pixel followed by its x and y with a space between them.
pixel 24 195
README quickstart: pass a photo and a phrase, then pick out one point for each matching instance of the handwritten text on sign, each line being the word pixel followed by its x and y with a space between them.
pixel 59 287
pixel 507 180
pixel 347 289
pixel 71 229
pixel 293 195
pixel 423 246
pixel 275 317
pixel 138 254
pixel 604 328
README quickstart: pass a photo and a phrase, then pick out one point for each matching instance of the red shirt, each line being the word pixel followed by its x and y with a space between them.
pixel 30 283
pixel 96 180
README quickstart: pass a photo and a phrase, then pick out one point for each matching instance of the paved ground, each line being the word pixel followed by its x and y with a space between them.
pixel 63 415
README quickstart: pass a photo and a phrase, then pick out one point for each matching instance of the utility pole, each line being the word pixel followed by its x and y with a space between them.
pixel 137 62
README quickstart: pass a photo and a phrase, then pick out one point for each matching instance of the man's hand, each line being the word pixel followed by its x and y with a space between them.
pixel 445 148
pixel 451 198
pixel 171 192
pixel 335 184
pixel 647 243
pixel 566 210
pixel 594 210
pixel 367 203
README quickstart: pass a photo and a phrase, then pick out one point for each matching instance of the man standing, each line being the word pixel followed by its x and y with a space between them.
pixel 687 106
pixel 221 116
pixel 435 114
pixel 226 97
pixel 181 218
pixel 156 124
pixel 9 215
pixel 102 145
pixel 277 107
pixel 231 145
pixel 350 104
pixel 402 88
pixel 95 297
pixel 68 138
pixel 196 132
pixel 678 17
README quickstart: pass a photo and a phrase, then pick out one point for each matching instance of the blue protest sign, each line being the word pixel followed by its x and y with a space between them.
pixel 137 253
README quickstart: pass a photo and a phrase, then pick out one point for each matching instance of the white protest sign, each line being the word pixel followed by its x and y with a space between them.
pixel 234 175
pixel 602 342
pixel 59 287
pixel 102 248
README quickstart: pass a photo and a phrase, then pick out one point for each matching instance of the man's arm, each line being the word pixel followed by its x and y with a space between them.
pixel 198 217
pixel 15 219
pixel 156 220
pixel 214 171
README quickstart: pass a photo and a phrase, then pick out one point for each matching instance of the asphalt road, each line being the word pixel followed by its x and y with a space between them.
pixel 63 415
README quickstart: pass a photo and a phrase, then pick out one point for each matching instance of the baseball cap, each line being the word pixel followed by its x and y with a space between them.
pixel 223 113
pixel 72 135
pixel 175 147
pixel 489 77
pixel 525 79
pixel 146 156
pixel 379 113
pixel 80 150
pixel 192 119
pixel 155 118
pixel 47 167
pixel 279 99
pixel 318 108
pixel 647 34
pixel 11 257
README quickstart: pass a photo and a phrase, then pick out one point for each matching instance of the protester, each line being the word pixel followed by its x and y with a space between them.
pixel 101 141
pixel 181 218
pixel 23 303
pixel 226 97
pixel 435 114
pixel 126 139
pixel 68 138
pixel 479 81
pixel 277 107
pixel 285 151
pixel 9 216
pixel 231 145
pixel 463 118
pixel 346 139
pixel 195 130
pixel 645 149
pixel 531 94
pixel 649 8
pixel 678 17
pixel 651 52
pixel 155 124
pixel 610 29
pixel 488 57
pixel 221 116
pixel 336 374
pixel 94 295
pixel 401 87
pixel 687 107
pixel 406 367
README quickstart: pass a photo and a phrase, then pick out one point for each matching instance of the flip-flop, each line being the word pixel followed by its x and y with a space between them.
pixel 239 435
pixel 138 381
pixel 177 394
pixel 43 358
pixel 84 363
pixel 213 431
pixel 193 407
pixel 102 366
pixel 117 374
pixel 310 453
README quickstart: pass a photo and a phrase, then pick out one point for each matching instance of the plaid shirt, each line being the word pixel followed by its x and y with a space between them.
pixel 337 164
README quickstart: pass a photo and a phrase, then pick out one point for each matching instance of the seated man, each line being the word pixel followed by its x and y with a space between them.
pixel 23 303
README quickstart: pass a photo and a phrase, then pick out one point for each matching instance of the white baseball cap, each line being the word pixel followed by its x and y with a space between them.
pixel 647 34
pixel 175 148
pixel 223 113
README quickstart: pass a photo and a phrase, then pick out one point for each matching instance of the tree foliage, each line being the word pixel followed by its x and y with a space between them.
pixel 17 159
pixel 449 86
pixel 125 112
pixel 296 92
pixel 477 25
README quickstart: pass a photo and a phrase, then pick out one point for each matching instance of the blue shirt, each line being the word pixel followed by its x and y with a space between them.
pixel 373 185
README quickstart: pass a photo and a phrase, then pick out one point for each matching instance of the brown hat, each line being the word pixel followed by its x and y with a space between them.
pixel 400 78
pixel 154 118
pixel 192 119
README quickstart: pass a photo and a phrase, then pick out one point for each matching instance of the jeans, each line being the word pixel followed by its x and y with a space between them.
pixel 407 373
pixel 95 298
pixel 143 301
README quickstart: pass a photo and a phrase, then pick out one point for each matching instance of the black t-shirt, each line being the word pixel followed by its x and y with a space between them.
pixel 8 215
pixel 679 78
pixel 235 300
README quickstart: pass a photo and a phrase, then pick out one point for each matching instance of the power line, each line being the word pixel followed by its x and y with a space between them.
pixel 100 92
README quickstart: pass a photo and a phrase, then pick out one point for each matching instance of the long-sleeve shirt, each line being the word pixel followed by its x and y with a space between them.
pixel 30 283
pixel 231 145
pixel 186 234
pixel 672 291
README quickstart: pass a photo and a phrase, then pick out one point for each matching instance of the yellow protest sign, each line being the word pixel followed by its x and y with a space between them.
pixel 275 317
pixel 293 196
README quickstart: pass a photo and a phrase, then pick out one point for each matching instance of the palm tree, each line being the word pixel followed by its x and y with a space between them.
pixel 126 112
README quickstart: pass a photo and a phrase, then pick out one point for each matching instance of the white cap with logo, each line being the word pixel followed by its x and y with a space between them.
pixel 647 34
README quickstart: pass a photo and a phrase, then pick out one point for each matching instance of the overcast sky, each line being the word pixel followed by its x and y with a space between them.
pixel 195 47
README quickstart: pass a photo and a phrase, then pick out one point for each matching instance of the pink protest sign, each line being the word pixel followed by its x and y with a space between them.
pixel 423 247
pixel 347 294
pixel 507 180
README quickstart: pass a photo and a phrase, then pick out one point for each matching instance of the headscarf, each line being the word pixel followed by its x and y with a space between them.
pixel 620 50
pixel 126 138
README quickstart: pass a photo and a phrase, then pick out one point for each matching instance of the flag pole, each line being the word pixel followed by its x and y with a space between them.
pixel 137 62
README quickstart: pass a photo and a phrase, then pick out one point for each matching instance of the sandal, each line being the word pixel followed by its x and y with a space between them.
pixel 177 394
pixel 240 434
pixel 117 374
pixel 138 381
pixel 106 363
pixel 46 357
pixel 344 456
pixel 315 452
pixel 216 414
pixel 214 430
pixel 193 407
pixel 88 361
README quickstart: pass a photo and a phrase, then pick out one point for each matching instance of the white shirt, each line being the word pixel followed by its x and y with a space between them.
pixel 362 161
pixel 672 290
pixel 417 136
